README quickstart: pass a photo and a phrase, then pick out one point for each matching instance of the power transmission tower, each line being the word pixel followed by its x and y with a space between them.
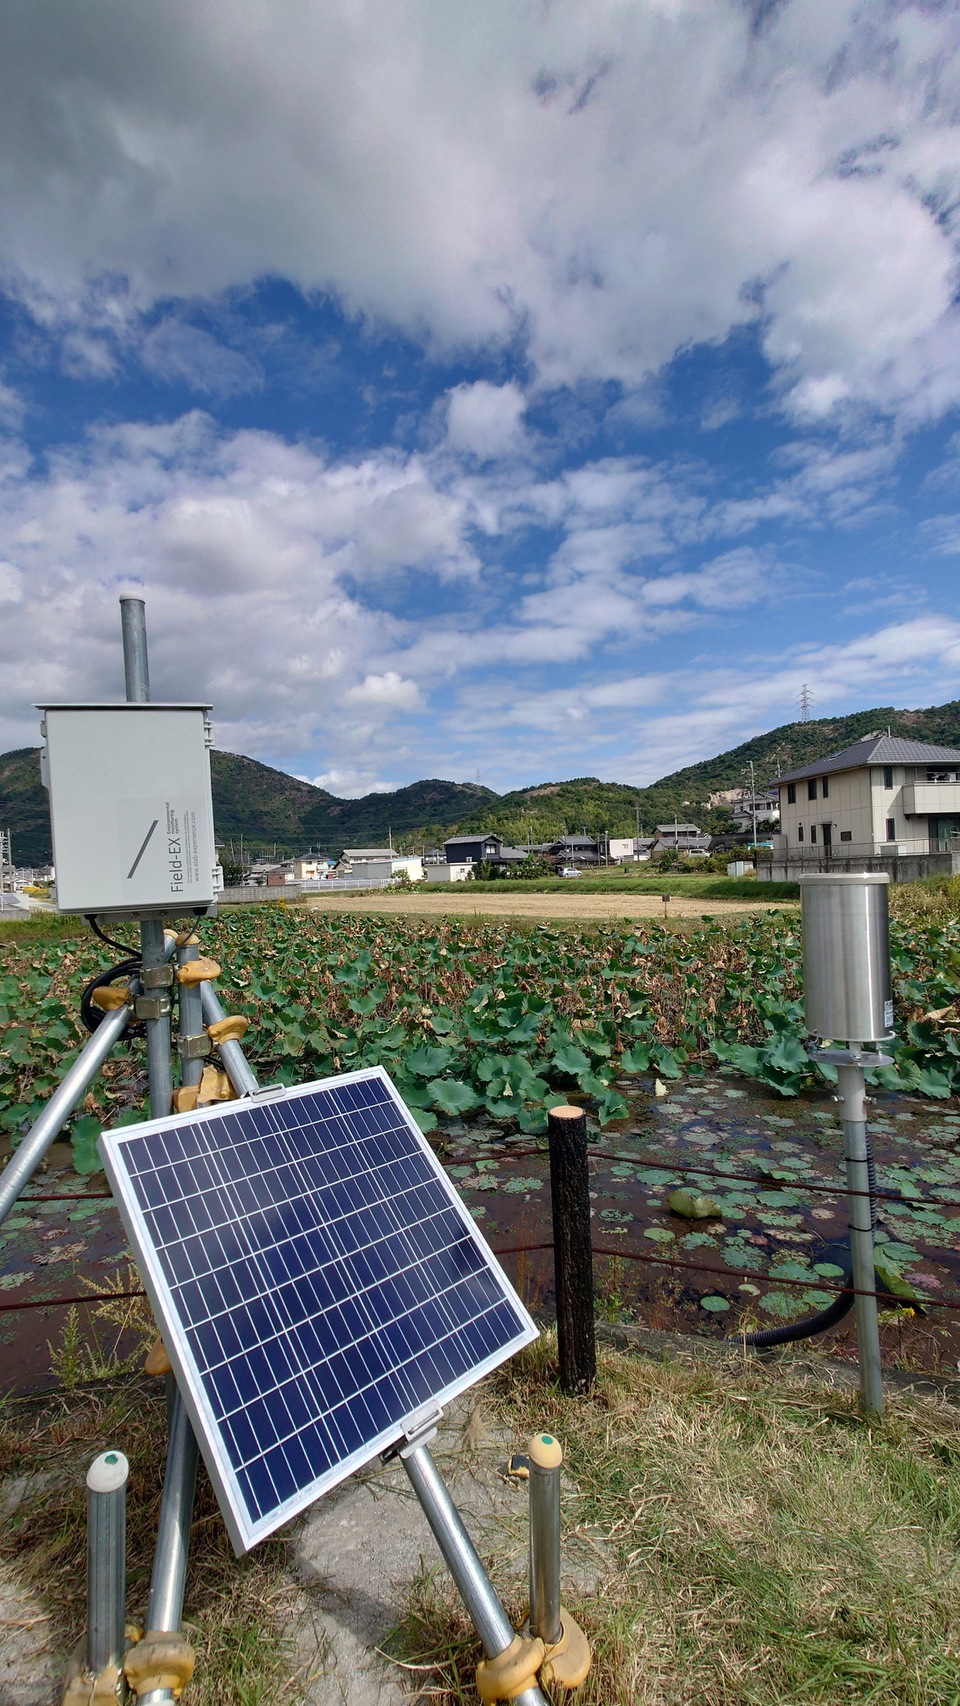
pixel 806 703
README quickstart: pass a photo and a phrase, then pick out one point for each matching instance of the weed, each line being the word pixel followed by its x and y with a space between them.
pixel 763 1542
pixel 236 1609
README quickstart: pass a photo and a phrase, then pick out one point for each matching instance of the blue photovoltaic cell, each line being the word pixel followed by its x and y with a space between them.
pixel 317 1275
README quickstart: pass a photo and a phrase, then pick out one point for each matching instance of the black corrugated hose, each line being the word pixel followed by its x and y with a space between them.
pixel 841 1305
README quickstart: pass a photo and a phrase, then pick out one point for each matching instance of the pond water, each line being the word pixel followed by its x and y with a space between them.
pixel 768 1256
pixel 774 1171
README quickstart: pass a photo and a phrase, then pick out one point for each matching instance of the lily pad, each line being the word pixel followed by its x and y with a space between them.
pixel 693 1206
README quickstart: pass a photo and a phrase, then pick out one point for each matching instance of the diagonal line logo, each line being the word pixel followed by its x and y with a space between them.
pixel 143 848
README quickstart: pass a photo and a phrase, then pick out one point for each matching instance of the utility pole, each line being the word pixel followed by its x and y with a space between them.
pixel 753 802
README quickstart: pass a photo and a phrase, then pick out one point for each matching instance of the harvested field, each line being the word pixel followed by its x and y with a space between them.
pixel 458 902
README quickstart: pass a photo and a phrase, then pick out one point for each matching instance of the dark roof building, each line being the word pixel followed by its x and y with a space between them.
pixel 875 749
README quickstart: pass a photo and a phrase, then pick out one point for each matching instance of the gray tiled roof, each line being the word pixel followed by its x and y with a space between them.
pixel 876 749
pixel 481 835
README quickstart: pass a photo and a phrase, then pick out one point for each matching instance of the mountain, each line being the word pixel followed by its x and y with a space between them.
pixel 270 809
pixel 23 806
pixel 266 807
pixel 546 811
pixel 786 748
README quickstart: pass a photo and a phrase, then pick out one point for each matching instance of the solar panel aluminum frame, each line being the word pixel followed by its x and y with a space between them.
pixel 243 1532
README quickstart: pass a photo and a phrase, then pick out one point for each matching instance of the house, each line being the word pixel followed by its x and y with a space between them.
pixel 377 865
pixel 619 847
pixel 760 807
pixel 576 850
pixel 883 803
pixel 484 847
pixel 439 872
pixel 684 837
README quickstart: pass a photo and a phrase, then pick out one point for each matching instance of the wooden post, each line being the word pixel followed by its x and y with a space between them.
pixel 572 1255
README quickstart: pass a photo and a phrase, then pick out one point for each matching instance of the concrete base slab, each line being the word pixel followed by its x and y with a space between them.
pixel 356 1553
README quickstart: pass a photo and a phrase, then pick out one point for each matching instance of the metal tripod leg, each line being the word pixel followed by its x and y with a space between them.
pixel 163 1654
pixel 168 1582
pixel 460 1555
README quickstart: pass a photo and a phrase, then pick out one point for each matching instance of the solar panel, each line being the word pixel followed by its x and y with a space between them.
pixel 317 1280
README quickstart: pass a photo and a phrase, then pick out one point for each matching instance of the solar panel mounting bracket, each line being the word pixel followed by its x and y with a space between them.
pixel 421 1429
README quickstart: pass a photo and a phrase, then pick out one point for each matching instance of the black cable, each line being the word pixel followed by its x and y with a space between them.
pixel 92 1015
pixel 122 947
pixel 842 1305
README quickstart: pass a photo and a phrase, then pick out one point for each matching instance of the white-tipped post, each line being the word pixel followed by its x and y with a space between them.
pixel 106 1561
pixel 546 1459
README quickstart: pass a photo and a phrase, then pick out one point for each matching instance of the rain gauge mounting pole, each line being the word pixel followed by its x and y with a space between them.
pixel 846 991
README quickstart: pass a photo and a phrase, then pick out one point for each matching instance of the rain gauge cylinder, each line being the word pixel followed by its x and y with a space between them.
pixel 847 1002
pixel 846 956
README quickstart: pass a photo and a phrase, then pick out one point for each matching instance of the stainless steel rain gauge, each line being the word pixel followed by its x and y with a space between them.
pixel 848 1007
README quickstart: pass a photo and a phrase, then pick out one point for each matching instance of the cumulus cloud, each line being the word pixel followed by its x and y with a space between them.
pixel 387 691
pixel 610 183
pixel 485 420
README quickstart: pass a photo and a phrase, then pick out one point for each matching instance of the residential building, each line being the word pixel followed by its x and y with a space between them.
pixel 684 837
pixel 884 803
pixel 377 864
pixel 484 847
pixel 439 872
pixel 577 850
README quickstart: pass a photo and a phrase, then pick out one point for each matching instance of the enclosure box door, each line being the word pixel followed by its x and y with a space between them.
pixel 130 807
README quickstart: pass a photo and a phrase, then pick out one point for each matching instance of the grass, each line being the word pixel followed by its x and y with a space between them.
pixel 758 1543
pixel 766 1545
pixel 43 927
pixel 705 887
pixel 236 1608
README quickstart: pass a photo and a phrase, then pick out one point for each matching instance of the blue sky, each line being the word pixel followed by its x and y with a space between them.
pixel 526 391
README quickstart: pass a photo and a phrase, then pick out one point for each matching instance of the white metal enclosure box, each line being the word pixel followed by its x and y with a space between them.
pixel 130 806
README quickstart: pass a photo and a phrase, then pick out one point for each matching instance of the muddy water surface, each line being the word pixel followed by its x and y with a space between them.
pixel 769 1254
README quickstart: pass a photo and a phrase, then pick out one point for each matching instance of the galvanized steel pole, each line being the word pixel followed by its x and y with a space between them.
pixel 106 1561
pixel 460 1555
pixel 546 1459
pixel 235 1062
pixel 190 1013
pixel 136 675
pixel 853 1099
pixel 61 1105
pixel 136 672
pixel 155 950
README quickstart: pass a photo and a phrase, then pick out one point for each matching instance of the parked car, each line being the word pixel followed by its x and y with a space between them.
pixel 569 871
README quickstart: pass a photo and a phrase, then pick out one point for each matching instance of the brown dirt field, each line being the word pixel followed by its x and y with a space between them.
pixel 454 902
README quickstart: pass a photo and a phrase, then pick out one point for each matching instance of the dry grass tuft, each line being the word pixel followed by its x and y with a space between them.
pixel 770 1546
pixel 235 1607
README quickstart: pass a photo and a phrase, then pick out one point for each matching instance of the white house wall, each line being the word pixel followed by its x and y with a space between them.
pixel 853 805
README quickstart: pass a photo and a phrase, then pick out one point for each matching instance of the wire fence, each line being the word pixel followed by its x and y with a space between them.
pixel 619 1252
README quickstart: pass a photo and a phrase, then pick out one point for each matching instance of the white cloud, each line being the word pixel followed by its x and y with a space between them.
pixel 614 182
pixel 486 420
pixel 388 692
pixel 711 709
pixel 178 353
pixel 942 535
pixel 349 784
